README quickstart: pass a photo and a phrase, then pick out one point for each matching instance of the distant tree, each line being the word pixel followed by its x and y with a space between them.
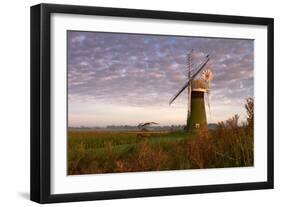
pixel 142 126
pixel 250 111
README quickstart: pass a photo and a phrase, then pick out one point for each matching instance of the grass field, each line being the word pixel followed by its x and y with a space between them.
pixel 229 145
pixel 111 151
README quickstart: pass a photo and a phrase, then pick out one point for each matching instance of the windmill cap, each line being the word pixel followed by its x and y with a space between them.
pixel 199 85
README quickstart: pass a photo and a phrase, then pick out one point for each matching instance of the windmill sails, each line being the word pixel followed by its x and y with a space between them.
pixel 198 69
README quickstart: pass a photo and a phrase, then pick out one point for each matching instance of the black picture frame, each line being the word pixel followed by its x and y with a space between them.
pixel 41 98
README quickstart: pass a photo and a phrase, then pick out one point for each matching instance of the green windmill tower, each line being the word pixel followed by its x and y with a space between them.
pixel 197 88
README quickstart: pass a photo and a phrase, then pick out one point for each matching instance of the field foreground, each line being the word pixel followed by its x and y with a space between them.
pixel 111 151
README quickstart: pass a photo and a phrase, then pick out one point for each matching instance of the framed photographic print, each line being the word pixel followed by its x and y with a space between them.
pixel 133 103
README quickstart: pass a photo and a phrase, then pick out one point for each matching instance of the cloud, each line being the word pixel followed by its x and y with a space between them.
pixel 147 70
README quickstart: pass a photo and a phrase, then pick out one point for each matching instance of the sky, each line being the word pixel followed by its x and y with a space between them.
pixel 126 79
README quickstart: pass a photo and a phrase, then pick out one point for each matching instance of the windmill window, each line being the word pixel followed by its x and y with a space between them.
pixel 197 126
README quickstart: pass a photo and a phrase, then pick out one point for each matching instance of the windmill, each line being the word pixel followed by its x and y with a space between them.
pixel 197 87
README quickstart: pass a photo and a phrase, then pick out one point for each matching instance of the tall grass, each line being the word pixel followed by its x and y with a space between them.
pixel 224 147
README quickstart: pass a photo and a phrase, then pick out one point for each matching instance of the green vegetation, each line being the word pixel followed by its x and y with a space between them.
pixel 230 145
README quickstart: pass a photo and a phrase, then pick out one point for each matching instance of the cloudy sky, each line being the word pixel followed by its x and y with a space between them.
pixel 118 79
